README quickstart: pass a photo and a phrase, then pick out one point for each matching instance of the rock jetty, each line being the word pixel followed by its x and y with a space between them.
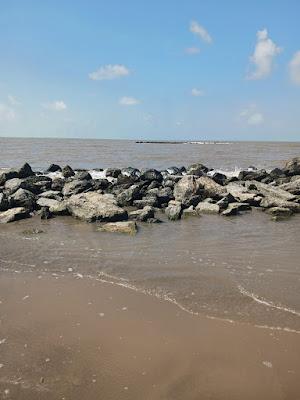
pixel 141 196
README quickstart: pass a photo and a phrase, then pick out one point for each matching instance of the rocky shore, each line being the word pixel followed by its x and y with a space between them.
pixel 123 197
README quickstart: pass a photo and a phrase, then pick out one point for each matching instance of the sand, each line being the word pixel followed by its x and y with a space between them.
pixel 70 338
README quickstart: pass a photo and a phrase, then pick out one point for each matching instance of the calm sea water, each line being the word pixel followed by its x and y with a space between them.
pixel 243 268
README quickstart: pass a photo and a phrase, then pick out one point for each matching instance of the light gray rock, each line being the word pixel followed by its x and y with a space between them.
pixel 13 214
pixel 12 185
pixel 211 188
pixel 235 208
pixel 46 202
pixel 271 192
pixel 94 206
pixel 205 207
pixel 279 212
pixel 22 198
pixel 76 186
pixel 185 188
pixel 189 212
pixel 59 208
pixel 127 196
pixel 174 210
pixel 127 227
pixel 292 187
pixel 142 215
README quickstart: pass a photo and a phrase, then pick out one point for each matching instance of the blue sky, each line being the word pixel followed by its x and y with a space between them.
pixel 194 69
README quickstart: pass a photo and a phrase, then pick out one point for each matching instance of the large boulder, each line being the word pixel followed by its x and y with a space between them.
pixel 272 192
pixel 211 188
pixel 292 167
pixel 242 194
pixel 12 185
pixel 76 186
pixel 23 198
pixel 94 206
pixel 186 188
pixel 128 227
pixel 174 210
pixel 292 187
pixel 37 184
pixel 13 214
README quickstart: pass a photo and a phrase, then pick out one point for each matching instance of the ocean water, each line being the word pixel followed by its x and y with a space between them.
pixel 244 268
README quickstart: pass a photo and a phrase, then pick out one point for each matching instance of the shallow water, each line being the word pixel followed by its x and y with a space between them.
pixel 242 268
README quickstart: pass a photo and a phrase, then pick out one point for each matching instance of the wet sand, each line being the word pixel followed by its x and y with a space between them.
pixel 69 338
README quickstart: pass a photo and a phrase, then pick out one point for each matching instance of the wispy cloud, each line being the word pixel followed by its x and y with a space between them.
pixel 252 116
pixel 197 92
pixel 109 72
pixel 200 31
pixel 57 105
pixel 128 101
pixel 6 113
pixel 263 57
pixel 192 50
pixel 13 100
pixel 294 68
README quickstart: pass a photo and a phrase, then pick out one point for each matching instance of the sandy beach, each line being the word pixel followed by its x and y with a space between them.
pixel 64 337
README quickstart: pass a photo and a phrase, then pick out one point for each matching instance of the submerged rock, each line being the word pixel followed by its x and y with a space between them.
pixel 204 207
pixel 13 214
pixel 46 213
pixel 279 212
pixel 128 227
pixel 235 208
pixel 174 210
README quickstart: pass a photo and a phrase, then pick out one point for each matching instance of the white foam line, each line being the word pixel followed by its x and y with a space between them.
pixel 254 297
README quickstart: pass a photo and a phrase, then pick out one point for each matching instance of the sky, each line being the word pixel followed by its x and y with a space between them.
pixel 132 69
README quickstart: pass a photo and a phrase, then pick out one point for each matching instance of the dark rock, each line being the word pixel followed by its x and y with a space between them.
pixel 3 202
pixel 223 203
pixel 151 175
pixel 164 195
pixel 197 169
pixel 174 210
pixel 186 188
pixel 57 184
pixel 146 201
pixel 169 183
pixel 23 198
pixel 51 194
pixel 37 184
pixel 113 172
pixel 76 186
pixel 83 176
pixel 235 208
pixel 25 171
pixel 277 173
pixel 252 175
pixel 67 171
pixel 6 175
pixel 142 215
pixel 127 196
pixel 154 185
pixel 292 167
pixel 173 171
pixel 45 213
pixel 13 214
pixel 131 172
pixel 53 168
pixel 100 184
pixel 219 178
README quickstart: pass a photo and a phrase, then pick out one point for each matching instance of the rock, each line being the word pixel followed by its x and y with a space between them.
pixel 128 227
pixel 189 212
pixel 273 192
pixel 142 215
pixel 112 172
pixel 59 208
pixel 235 208
pixel 51 194
pixel 46 202
pixel 13 214
pixel 23 198
pixel 169 183
pixel 219 178
pixel 100 184
pixel 127 196
pixel 173 171
pixel 25 171
pixel 151 175
pixel 57 184
pixel 45 213
pixel 277 173
pixel 186 188
pixel 93 206
pixel 53 168
pixel 242 194
pixel 131 173
pixel 83 176
pixel 67 171
pixel 205 207
pixel 145 201
pixel 292 167
pixel 279 212
pixel 223 203
pixel 292 187
pixel 76 186
pixel 37 184
pixel 154 185
pixel 174 210
pixel 164 195
pixel 197 169
pixel 211 188
pixel 12 185
pixel 6 175
pixel 252 175
pixel 3 202
pixel 269 202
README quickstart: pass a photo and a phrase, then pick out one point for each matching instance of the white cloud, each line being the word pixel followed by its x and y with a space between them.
pixel 197 92
pixel 294 68
pixel 192 50
pixel 128 101
pixel 109 72
pixel 13 101
pixel 200 31
pixel 6 113
pixel 252 116
pixel 57 105
pixel 263 57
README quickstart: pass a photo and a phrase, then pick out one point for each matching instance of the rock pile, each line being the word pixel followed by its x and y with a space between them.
pixel 134 195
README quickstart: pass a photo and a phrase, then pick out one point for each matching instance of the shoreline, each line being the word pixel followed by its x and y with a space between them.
pixel 148 347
